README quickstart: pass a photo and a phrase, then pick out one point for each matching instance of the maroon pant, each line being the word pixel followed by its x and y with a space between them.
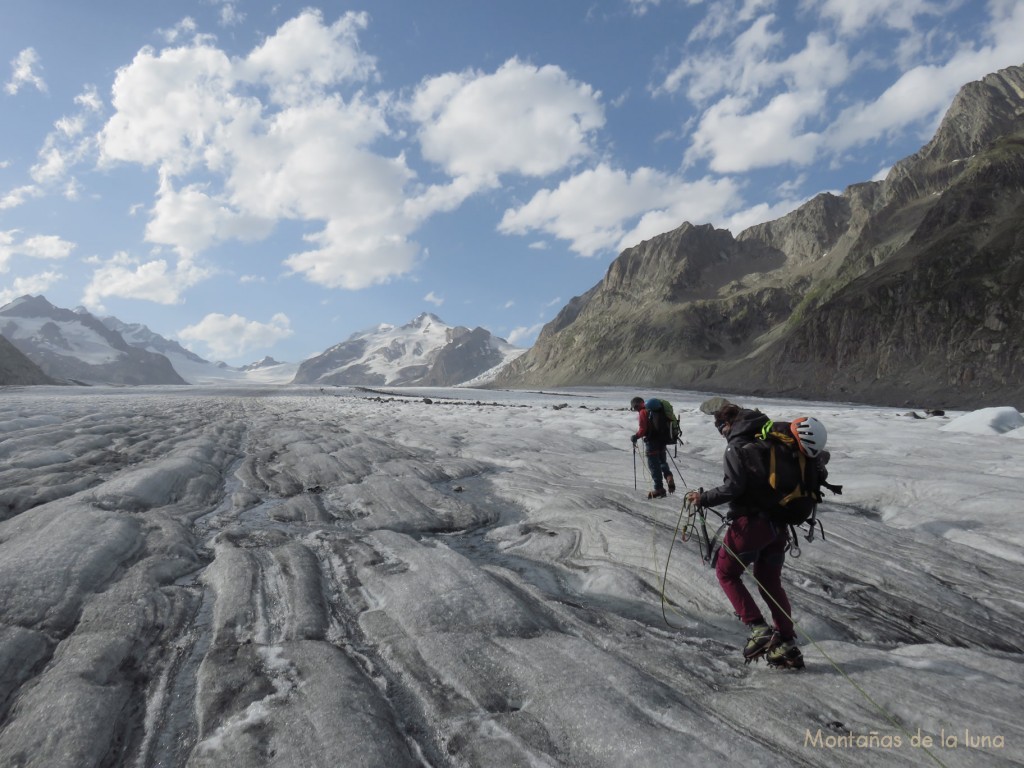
pixel 755 541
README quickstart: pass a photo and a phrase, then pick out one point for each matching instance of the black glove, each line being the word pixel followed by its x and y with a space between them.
pixel 634 438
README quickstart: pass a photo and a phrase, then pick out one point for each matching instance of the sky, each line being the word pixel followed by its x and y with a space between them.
pixel 253 178
pixel 265 575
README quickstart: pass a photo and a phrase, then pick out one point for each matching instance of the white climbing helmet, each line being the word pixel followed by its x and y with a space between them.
pixel 810 435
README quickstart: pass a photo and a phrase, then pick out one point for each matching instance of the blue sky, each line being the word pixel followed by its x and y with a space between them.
pixel 255 178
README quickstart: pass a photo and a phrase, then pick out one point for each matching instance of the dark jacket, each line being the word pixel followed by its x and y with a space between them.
pixel 734 489
pixel 655 440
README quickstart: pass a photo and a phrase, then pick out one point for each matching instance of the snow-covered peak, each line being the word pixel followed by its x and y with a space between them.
pixel 424 321
pixel 410 353
pixel 30 306
pixel 266 362
pixel 76 346
pixel 426 351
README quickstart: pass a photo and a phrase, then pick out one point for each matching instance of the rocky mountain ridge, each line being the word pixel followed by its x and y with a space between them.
pixel 138 335
pixel 76 347
pixel 894 290
pixel 16 369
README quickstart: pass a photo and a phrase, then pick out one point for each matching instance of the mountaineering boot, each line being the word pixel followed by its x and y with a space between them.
pixel 761 639
pixel 671 483
pixel 657 493
pixel 785 655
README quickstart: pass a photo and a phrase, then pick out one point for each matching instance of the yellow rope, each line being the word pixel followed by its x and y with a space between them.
pixel 668 559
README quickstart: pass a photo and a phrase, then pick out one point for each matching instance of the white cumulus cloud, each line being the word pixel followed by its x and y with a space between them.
pixel 50 247
pixel 230 165
pixel 758 105
pixel 522 119
pixel 736 140
pixel 157 280
pixel 229 336
pixel 19 195
pixel 47 247
pixel 29 285
pixel 24 72
pixel 855 17
pixel 922 94
pixel 610 209
pixel 524 335
pixel 190 220
pixel 305 57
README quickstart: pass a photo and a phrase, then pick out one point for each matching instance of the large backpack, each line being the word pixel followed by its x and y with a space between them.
pixel 787 483
pixel 662 421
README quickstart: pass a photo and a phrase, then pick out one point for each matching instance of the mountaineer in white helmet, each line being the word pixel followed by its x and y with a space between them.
pixel 757 538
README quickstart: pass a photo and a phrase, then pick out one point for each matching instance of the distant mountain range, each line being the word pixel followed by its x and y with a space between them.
pixel 425 352
pixel 75 347
pixel 906 290
pixel 46 344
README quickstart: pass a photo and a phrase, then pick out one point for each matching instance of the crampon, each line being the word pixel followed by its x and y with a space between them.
pixel 784 655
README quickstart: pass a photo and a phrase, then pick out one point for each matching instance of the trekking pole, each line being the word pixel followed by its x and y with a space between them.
pixel 682 480
pixel 634 466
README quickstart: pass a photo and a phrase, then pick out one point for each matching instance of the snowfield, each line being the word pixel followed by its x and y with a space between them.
pixel 294 577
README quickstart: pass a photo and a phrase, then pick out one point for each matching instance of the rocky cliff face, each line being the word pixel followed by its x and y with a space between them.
pixel 18 370
pixel 894 291
pixel 469 354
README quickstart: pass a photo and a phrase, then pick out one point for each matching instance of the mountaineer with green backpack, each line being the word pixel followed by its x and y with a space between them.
pixel 659 428
pixel 774 474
